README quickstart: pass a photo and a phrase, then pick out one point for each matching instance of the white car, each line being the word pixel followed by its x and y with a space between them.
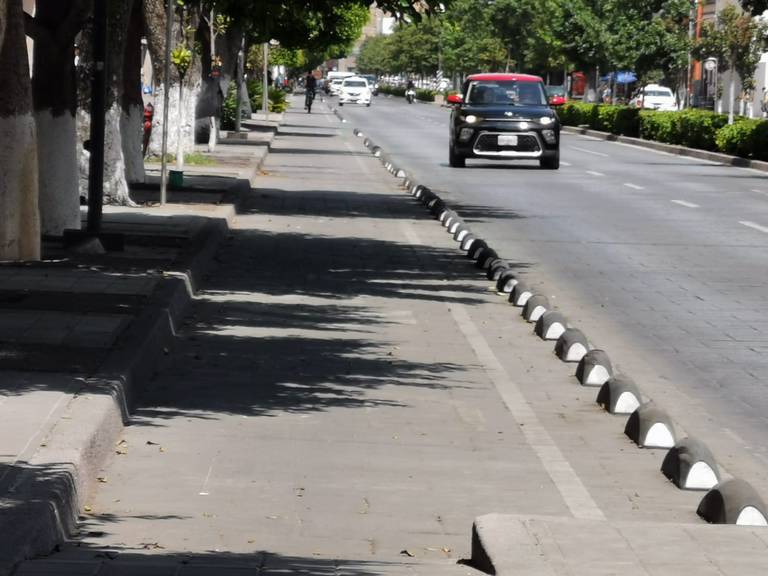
pixel 655 97
pixel 335 86
pixel 355 90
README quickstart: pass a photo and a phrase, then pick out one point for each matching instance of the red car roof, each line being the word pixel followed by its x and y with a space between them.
pixel 505 76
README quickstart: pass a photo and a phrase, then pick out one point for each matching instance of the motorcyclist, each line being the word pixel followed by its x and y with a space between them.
pixel 410 91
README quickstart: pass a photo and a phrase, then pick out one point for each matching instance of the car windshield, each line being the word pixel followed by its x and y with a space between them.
pixel 555 90
pixel 666 93
pixel 509 92
pixel 355 84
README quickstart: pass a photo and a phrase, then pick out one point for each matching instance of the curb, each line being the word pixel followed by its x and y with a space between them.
pixel 718 157
pixel 54 484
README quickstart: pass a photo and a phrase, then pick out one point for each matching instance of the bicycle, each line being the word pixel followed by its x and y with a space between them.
pixel 309 98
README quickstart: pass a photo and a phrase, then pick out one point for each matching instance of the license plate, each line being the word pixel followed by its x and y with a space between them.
pixel 507 140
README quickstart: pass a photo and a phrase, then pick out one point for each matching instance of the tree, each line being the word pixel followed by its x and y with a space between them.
pixel 736 40
pixel 54 93
pixel 20 229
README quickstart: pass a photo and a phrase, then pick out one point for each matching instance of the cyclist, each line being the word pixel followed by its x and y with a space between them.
pixel 310 87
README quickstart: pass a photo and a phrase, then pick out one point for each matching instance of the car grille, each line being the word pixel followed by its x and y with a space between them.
pixel 527 145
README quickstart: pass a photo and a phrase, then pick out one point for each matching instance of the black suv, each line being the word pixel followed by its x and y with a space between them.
pixel 504 116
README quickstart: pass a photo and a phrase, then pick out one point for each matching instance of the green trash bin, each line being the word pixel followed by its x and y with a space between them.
pixel 175 178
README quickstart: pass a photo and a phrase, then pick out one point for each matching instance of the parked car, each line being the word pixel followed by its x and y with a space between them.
pixel 355 90
pixel 556 95
pixel 334 88
pixel 654 97
pixel 503 116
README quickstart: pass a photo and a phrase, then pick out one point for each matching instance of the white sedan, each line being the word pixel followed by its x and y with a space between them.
pixel 355 90
pixel 655 97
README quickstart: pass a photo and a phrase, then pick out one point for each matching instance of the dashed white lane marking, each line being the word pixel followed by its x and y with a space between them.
pixel 589 151
pixel 754 226
pixel 764 192
pixel 595 173
pixel 566 163
pixel 633 186
pixel 571 488
pixel 684 203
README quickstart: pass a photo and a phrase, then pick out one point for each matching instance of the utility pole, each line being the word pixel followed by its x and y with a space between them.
pixel 166 103
pixel 691 37
pixel 265 96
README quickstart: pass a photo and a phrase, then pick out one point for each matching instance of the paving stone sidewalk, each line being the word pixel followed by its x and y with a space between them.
pixel 77 331
pixel 347 394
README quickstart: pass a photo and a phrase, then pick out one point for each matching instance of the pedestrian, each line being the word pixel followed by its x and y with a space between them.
pixel 764 102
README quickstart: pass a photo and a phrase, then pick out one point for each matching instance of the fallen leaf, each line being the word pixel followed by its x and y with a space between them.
pixel 406 553
pixel 102 479
pixel 150 443
pixel 151 546
pixel 87 509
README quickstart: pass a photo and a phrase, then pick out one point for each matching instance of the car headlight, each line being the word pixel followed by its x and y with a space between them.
pixel 471 119
pixel 546 120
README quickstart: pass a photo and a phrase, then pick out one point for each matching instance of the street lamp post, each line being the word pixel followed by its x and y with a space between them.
pixel 166 103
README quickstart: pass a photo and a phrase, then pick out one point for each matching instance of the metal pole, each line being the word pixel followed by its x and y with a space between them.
pixel 691 33
pixel 265 97
pixel 166 103
pixel 98 104
pixel 240 64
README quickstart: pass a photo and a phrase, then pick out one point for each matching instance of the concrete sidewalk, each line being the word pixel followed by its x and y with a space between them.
pixel 347 394
pixel 80 331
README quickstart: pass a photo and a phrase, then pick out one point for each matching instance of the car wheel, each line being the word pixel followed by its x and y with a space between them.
pixel 341 103
pixel 368 105
pixel 551 162
pixel 455 159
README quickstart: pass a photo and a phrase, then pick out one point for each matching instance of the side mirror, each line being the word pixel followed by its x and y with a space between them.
pixel 556 101
pixel 455 99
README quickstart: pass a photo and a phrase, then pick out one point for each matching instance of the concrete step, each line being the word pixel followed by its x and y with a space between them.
pixel 511 545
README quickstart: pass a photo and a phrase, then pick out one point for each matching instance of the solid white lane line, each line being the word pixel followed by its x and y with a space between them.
pixel 633 186
pixel 566 480
pixel 684 203
pixel 590 151
pixel 595 173
pixel 754 226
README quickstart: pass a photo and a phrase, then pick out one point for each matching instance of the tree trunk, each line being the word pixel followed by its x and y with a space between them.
pixel 132 120
pixel 214 90
pixel 54 27
pixel 20 230
pixel 731 96
pixel 154 19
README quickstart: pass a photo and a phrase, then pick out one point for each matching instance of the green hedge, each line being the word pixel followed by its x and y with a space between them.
pixel 425 95
pixel 393 90
pixel 700 129
pixel 615 119
pixel 747 138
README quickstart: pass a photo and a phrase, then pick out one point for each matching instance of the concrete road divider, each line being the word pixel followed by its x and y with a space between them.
pixel 437 207
pixel 536 306
pixel 419 191
pixel 467 242
pixel 506 282
pixel 496 269
pixel 473 251
pixel 461 232
pixel 595 368
pixel 551 325
pixel 691 465
pixel 455 225
pixel 376 151
pixel 445 215
pixel 572 345
pixel 367 142
pixel 619 395
pixel 401 173
pixel 520 294
pixel 733 501
pixel 650 427
pixel 485 258
pixel 450 217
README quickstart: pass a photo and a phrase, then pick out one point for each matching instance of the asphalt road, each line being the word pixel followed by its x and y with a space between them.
pixel 662 260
